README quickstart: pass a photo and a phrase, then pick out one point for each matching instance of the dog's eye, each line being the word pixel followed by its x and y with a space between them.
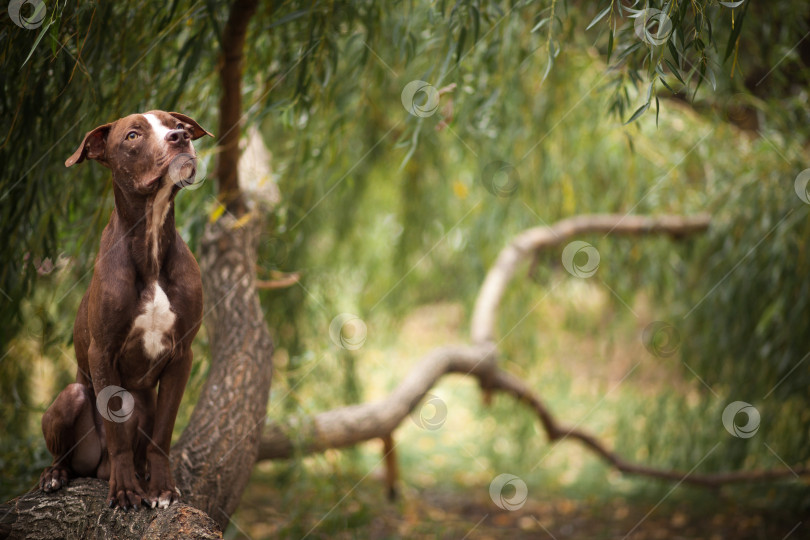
pixel 180 126
pixel 132 135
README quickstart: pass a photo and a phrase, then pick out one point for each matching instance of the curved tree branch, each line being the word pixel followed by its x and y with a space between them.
pixel 506 382
pixel 214 459
pixel 350 425
pixel 485 312
pixel 357 423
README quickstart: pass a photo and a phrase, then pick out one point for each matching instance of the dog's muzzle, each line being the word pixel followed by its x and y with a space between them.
pixel 182 170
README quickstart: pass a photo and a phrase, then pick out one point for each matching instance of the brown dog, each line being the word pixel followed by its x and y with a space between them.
pixel 135 323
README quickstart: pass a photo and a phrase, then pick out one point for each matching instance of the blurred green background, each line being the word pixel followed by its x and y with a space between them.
pixel 393 217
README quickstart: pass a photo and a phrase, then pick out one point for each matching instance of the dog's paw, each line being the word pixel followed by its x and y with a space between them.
pixel 126 499
pixel 162 498
pixel 125 493
pixel 53 478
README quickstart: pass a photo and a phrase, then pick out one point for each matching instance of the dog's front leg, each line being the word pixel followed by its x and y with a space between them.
pixel 162 491
pixel 121 421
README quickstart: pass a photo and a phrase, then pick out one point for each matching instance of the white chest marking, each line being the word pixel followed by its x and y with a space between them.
pixel 156 320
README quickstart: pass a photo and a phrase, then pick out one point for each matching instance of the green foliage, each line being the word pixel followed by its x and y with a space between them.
pixel 752 267
pixel 60 81
pixel 384 210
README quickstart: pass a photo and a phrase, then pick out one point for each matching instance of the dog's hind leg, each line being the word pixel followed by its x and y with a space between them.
pixel 71 436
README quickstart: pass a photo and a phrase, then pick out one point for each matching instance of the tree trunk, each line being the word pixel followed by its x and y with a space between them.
pixel 215 455
pixel 230 104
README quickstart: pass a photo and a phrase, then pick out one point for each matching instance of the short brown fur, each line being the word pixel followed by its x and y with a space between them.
pixel 140 251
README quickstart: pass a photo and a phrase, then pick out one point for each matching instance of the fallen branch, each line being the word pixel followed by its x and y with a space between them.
pixel 506 382
pixel 287 280
pixel 485 312
pixel 347 426
pixel 350 425
pixel 353 424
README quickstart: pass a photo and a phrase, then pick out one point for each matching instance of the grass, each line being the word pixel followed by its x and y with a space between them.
pixel 598 383
pixel 578 343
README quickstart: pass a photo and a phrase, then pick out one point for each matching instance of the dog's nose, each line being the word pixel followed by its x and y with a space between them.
pixel 177 136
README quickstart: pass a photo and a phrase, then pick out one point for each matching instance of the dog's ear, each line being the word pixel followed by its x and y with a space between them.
pixel 197 130
pixel 92 146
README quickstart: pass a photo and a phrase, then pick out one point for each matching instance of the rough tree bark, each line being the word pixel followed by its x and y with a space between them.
pixel 215 454
pixel 230 103
pixel 79 512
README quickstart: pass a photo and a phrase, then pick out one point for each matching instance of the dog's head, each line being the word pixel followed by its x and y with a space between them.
pixel 144 151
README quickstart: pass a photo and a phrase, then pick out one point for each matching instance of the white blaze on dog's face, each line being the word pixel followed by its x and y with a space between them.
pixel 173 142
pixel 141 149
pixel 159 129
pixel 150 155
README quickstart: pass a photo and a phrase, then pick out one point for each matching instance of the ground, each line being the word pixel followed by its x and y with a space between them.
pixel 433 513
pixel 587 380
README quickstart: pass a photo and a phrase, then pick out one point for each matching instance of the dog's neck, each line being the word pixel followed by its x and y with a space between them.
pixel 148 221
